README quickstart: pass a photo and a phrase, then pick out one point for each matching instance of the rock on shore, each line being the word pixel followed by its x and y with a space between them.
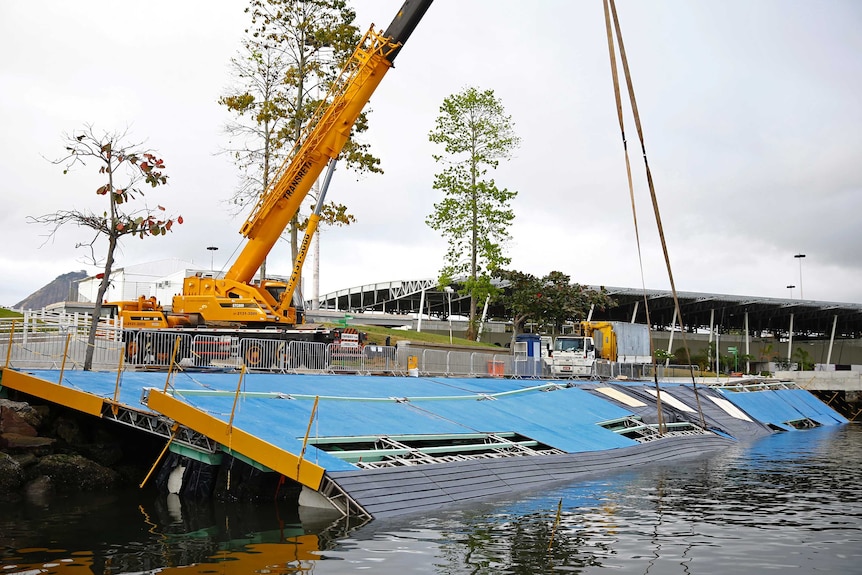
pixel 45 450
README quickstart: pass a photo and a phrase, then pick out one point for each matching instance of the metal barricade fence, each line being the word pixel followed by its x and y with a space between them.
pixel 44 346
pixel 37 345
pixel 526 366
pixel 308 355
pixel 630 370
pixel 214 350
pixel 460 363
pixel 494 365
pixel 265 354
pixel 382 359
pixel 155 348
pixel 341 358
pixel 434 361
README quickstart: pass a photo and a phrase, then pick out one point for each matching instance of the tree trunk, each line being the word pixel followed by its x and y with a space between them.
pixel 472 328
pixel 472 331
pixel 267 152
pixel 517 327
pixel 97 307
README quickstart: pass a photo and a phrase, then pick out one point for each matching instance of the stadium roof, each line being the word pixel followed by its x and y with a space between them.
pixel 810 318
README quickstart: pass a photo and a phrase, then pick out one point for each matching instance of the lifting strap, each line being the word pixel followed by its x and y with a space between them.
pixel 610 9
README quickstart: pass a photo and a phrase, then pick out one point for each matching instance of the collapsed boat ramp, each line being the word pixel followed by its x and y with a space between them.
pixel 376 446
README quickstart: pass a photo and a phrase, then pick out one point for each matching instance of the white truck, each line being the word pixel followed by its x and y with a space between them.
pixel 575 355
pixel 571 356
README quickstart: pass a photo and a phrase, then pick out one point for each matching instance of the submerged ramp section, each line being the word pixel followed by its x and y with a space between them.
pixel 681 404
pixel 399 490
pixel 784 409
pixel 390 445
pixel 236 440
pixel 132 399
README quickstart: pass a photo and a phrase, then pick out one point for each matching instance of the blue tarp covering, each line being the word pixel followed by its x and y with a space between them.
pixel 779 406
pixel 815 409
pixel 350 405
pixel 566 418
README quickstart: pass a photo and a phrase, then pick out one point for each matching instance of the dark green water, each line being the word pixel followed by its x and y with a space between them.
pixel 789 504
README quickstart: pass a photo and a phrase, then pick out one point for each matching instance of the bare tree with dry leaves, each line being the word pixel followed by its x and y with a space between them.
pixel 125 170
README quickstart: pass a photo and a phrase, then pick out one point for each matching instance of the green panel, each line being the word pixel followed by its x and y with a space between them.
pixel 196 454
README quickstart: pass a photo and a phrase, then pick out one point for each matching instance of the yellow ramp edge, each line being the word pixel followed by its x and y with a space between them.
pixel 265 453
pixel 53 392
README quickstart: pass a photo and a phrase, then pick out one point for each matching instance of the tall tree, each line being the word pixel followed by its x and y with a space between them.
pixel 474 215
pixel 291 54
pixel 549 301
pixel 124 168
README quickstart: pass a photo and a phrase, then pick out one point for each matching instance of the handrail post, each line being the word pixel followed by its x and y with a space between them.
pixel 65 354
pixel 114 408
pixel 307 433
pixel 235 399
pixel 11 341
pixel 171 365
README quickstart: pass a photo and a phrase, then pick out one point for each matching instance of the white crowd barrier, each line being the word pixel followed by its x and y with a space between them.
pixel 51 344
pixel 53 341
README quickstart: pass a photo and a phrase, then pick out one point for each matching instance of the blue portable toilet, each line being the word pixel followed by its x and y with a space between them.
pixel 528 357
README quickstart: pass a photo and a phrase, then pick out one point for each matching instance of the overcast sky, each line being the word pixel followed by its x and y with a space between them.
pixel 751 114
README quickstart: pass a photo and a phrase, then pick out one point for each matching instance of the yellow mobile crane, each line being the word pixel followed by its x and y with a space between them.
pixel 235 299
pixel 232 306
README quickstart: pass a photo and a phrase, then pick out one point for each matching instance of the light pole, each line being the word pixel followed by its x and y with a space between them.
pixel 791 291
pixel 449 290
pixel 212 250
pixel 799 257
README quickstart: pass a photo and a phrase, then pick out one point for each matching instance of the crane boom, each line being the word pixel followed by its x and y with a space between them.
pixel 323 139
pixel 235 298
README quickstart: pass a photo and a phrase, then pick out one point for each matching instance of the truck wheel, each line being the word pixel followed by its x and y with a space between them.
pixel 253 355
pixel 132 349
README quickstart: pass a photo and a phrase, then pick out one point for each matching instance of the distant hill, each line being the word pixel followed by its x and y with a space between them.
pixel 56 291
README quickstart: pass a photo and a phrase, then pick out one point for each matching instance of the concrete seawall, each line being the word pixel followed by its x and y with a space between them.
pixel 824 380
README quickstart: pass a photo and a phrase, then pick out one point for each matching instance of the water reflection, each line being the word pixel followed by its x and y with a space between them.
pixel 98 534
pixel 791 502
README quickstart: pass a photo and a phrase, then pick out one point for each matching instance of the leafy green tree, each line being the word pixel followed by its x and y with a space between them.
pixel 566 302
pixel 768 353
pixel 290 57
pixel 713 354
pixel 682 356
pixel 803 359
pixel 700 357
pixel 475 214
pixel 126 170
pixel 521 297
pixel 550 301
pixel 662 355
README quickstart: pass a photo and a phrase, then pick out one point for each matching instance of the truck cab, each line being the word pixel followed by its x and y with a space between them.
pixel 572 356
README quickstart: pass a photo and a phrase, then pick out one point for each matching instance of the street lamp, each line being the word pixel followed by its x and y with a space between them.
pixel 799 257
pixel 212 250
pixel 791 291
pixel 449 290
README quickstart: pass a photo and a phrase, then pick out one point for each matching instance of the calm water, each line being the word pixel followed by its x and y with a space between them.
pixel 791 503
